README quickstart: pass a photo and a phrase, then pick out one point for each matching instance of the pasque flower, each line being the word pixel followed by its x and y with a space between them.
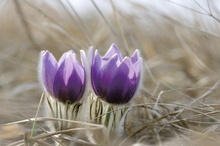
pixel 115 79
pixel 64 80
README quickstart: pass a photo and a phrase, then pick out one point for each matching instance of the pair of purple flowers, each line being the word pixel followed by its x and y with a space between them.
pixel 114 78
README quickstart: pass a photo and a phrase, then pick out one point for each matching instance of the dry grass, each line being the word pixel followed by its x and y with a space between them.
pixel 179 96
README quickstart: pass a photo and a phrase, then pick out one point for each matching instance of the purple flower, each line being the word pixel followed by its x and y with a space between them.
pixel 65 80
pixel 115 79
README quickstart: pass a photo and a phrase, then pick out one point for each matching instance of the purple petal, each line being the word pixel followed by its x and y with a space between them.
pixel 135 56
pixel 62 77
pixel 70 78
pixel 95 67
pixel 59 88
pixel 66 65
pixel 64 56
pixel 137 67
pixel 131 69
pixel 48 70
pixel 111 51
pixel 76 82
pixel 132 88
pixel 123 85
pixel 79 70
pixel 105 75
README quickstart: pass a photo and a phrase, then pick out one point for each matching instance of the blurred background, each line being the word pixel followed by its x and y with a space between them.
pixel 179 43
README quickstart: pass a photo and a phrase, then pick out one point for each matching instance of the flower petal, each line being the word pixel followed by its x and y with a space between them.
pixel 105 75
pixel 66 66
pixel 69 79
pixel 76 82
pixel 61 79
pixel 130 66
pixel 123 84
pixel 59 88
pixel 111 51
pixel 137 67
pixel 95 67
pixel 135 56
pixel 64 56
pixel 48 70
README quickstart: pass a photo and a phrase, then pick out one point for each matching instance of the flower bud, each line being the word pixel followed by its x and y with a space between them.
pixel 115 79
pixel 64 80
